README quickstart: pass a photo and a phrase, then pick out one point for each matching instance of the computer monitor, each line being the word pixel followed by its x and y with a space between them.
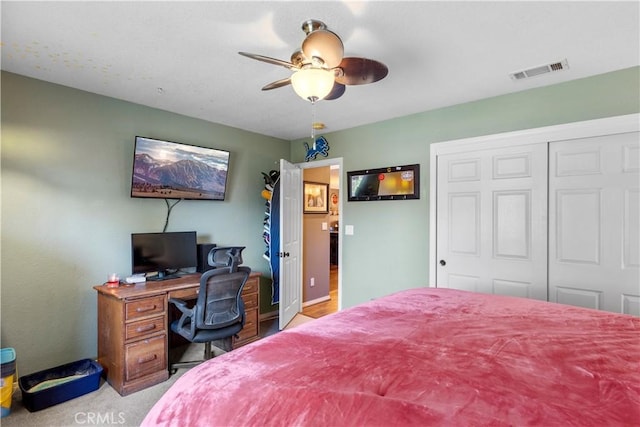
pixel 164 253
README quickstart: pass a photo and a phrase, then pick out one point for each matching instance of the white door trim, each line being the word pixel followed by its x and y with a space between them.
pixel 542 135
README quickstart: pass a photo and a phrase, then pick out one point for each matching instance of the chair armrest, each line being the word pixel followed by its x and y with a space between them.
pixel 187 314
pixel 180 304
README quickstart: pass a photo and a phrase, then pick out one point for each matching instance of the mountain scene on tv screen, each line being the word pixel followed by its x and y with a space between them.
pixel 178 177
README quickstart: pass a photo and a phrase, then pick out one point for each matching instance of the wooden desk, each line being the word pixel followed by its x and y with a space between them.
pixel 133 328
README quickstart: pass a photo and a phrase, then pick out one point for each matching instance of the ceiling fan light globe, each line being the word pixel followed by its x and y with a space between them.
pixel 313 84
pixel 324 44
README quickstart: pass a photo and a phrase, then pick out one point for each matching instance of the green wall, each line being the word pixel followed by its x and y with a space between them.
pixel 390 247
pixel 67 215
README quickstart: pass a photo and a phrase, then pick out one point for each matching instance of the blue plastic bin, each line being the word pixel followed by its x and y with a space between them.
pixel 8 375
pixel 59 384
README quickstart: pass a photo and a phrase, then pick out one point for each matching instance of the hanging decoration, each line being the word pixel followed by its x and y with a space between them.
pixel 320 146
pixel 271 231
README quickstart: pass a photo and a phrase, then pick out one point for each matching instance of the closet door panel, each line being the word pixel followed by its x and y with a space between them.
pixel 594 222
pixel 491 221
pixel 511 224
pixel 464 217
pixel 577 228
pixel 631 233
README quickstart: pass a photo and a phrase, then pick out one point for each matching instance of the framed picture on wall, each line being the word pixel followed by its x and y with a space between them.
pixel 316 197
pixel 333 202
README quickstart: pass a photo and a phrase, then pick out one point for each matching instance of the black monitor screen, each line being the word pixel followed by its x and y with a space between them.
pixel 165 253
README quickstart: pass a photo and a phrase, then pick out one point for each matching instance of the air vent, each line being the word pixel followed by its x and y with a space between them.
pixel 540 70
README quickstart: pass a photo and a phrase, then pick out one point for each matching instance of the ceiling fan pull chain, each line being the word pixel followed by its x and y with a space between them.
pixel 313 120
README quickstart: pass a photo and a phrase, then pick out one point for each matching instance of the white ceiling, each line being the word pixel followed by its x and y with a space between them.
pixel 438 53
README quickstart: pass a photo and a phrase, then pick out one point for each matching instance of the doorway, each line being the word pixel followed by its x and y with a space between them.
pixel 321 258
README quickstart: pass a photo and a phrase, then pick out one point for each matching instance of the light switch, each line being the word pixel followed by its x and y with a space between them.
pixel 348 230
pixel 325 226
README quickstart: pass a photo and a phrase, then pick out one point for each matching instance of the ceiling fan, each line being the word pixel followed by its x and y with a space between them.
pixel 319 69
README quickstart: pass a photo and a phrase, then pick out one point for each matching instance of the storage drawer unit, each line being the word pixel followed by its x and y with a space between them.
pixel 133 328
pixel 132 341
pixel 251 299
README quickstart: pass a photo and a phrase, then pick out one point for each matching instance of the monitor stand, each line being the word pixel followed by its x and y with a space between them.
pixel 163 275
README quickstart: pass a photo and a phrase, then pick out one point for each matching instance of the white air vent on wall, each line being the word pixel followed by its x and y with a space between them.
pixel 539 70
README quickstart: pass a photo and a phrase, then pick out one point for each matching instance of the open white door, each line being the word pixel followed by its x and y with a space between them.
pixel 290 240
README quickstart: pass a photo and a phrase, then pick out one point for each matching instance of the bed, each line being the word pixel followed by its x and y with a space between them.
pixel 424 357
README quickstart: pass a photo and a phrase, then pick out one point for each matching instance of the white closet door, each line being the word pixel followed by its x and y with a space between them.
pixel 491 221
pixel 594 225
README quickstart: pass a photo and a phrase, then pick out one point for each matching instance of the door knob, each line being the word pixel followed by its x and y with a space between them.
pixel 443 262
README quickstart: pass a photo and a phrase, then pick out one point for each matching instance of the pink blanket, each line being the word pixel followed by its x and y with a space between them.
pixel 424 357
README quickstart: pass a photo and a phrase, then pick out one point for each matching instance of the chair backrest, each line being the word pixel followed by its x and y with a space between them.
pixel 219 301
pixel 225 256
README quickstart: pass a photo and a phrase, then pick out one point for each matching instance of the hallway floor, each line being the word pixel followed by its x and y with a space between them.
pixel 327 307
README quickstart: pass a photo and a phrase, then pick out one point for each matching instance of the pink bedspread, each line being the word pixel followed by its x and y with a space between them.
pixel 424 357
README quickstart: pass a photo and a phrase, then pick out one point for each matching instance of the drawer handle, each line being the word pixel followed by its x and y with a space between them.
pixel 147 308
pixel 146 359
pixel 145 328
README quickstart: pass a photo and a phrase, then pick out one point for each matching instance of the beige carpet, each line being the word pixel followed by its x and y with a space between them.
pixel 299 319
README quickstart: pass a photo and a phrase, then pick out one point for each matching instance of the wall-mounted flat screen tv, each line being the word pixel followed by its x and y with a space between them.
pixel 390 183
pixel 172 170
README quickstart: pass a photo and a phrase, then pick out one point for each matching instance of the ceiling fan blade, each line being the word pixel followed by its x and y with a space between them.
pixel 277 84
pixel 270 60
pixel 359 71
pixel 336 92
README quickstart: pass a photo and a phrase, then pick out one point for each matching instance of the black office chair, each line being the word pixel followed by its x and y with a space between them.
pixel 218 314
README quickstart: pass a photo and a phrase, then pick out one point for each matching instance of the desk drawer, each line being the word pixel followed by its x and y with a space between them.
pixel 250 326
pixel 145 327
pixel 145 357
pixel 250 286
pixel 185 294
pixel 144 307
pixel 250 302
